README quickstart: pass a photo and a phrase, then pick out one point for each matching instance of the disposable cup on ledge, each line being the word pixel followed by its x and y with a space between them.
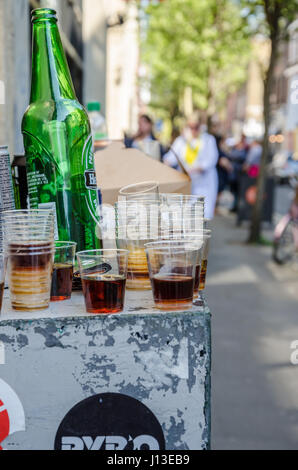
pixel 103 274
pixel 63 270
pixel 172 266
pixel 142 190
pixel 29 247
pixel 199 301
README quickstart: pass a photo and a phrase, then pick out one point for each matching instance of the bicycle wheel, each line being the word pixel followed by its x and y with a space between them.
pixel 284 249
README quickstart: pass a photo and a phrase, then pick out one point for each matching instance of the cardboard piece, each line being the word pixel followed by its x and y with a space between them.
pixel 117 166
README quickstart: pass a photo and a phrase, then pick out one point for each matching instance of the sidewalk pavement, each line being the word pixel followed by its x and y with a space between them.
pixel 254 305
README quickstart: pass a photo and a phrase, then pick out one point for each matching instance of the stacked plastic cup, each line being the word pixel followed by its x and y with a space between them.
pixel 181 214
pixel 29 248
pixel 144 190
pixel 183 219
pixel 137 223
pixel 203 266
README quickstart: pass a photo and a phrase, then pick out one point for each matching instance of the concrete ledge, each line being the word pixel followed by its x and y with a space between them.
pixel 57 358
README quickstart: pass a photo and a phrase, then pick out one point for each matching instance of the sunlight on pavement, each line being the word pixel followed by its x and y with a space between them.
pixel 275 352
pixel 242 274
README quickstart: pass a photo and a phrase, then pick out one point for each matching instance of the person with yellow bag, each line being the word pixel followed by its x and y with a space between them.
pixel 197 151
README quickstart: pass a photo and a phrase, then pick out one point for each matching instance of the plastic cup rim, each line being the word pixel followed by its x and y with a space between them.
pixel 29 211
pixel 65 244
pixel 88 253
pixel 36 253
pixel 154 185
pixel 170 245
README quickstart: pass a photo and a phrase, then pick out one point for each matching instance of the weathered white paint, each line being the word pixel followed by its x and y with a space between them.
pixel 56 358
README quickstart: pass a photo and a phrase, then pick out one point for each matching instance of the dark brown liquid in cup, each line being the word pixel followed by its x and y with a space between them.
pixel 32 256
pixel 197 278
pixel 172 289
pixel 104 294
pixel 61 282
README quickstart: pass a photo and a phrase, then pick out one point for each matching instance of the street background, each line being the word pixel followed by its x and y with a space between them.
pixel 254 304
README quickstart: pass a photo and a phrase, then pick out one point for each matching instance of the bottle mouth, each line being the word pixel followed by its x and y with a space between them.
pixel 43 14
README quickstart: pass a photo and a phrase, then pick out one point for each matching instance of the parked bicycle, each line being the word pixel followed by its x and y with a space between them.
pixel 285 246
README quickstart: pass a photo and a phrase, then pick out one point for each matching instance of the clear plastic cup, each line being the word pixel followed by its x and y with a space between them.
pixel 170 198
pixel 150 219
pixel 143 190
pixel 137 220
pixel 140 222
pixel 103 274
pixel 172 266
pixel 137 267
pixel 29 268
pixel 175 226
pixel 28 225
pixel 29 247
pixel 205 253
pixel 203 269
pixel 63 270
pixel 137 223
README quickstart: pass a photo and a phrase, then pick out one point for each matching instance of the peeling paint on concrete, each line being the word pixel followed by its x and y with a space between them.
pixel 22 341
pixel 161 359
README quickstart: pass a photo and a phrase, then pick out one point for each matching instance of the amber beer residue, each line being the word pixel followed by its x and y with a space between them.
pixel 172 291
pixel 203 274
pixel 29 274
pixel 137 270
pixel 104 293
pixel 197 278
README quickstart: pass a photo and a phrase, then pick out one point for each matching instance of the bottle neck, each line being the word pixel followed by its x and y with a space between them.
pixel 51 79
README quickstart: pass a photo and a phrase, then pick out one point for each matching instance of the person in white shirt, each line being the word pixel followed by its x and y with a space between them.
pixel 197 151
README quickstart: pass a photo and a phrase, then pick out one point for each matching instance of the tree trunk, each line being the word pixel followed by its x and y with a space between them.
pixel 256 221
pixel 174 112
pixel 209 124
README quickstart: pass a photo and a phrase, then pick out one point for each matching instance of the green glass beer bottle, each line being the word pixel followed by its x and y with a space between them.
pixel 57 140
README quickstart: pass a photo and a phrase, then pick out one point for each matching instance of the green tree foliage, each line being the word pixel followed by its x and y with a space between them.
pixel 201 44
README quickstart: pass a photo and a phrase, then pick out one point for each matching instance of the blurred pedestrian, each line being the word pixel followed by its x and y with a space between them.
pixel 145 139
pixel 237 156
pixel 197 151
pixel 253 159
pixel 224 166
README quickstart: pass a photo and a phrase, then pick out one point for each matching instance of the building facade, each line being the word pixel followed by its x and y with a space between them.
pixel 291 74
pixel 100 38
pixel 245 106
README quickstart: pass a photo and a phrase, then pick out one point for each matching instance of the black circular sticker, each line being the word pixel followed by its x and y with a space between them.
pixel 110 421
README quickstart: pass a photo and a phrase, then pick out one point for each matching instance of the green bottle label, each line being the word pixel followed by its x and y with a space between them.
pixel 90 178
